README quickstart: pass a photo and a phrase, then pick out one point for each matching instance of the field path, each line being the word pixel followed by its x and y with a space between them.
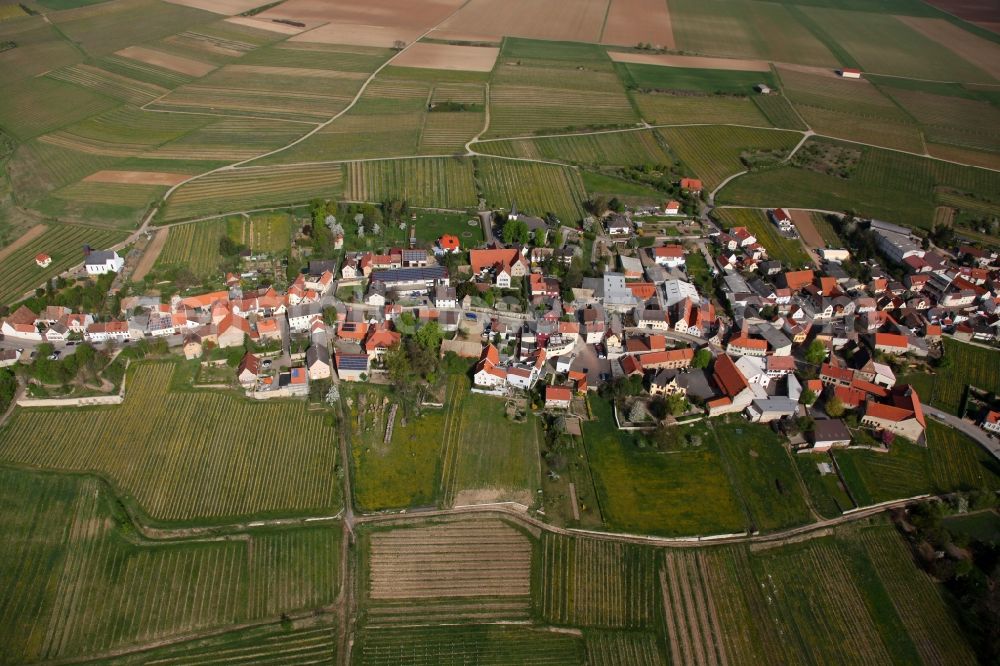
pixel 151 254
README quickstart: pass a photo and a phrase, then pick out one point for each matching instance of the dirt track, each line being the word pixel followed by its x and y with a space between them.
pixel 806 228
pixel 151 254
pixel 696 62
pixel 136 177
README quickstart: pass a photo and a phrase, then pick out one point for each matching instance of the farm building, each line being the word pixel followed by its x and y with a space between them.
pixel 192 346
pixel 763 88
pixel 672 208
pixel 318 362
pixel 43 260
pixel 692 185
pixel 248 370
pixel 850 73
pixel 671 256
pixel 351 367
pixel 828 433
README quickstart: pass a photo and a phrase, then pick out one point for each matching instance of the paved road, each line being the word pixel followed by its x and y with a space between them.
pixel 970 429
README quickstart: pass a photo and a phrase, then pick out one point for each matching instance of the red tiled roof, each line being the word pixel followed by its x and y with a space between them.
pixel 670 251
pixel 642 290
pixel 560 393
pixel 891 340
pixel 728 377
pixel 448 242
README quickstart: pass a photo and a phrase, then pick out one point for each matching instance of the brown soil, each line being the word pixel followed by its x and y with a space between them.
pixel 982 53
pixel 965 156
pixel 446 56
pixel 137 177
pixel 30 235
pixel 632 21
pixel 174 63
pixel 227 7
pixel 270 26
pixel 579 21
pixel 696 62
pixel 806 228
pixel 151 254
pixel 985 11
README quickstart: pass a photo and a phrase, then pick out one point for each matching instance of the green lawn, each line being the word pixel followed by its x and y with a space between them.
pixel 678 493
pixel 827 494
pixel 405 471
pixel 873 477
pixel 761 471
pixel 599 183
pixel 731 82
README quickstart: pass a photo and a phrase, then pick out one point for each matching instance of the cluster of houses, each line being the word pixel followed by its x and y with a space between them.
pixel 644 320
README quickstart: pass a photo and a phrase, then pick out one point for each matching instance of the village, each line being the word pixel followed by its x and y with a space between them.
pixel 676 329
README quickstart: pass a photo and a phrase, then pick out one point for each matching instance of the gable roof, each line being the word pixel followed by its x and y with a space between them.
pixel 728 377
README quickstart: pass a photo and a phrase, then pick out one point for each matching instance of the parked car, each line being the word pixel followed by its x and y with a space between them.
pixel 54 356
pixel 266 363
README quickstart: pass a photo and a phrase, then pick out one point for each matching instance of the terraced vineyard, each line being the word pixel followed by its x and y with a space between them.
pixel 915 599
pixel 473 644
pixel 537 188
pixel 713 153
pixel 596 583
pixel 689 607
pixel 627 148
pixel 424 182
pixel 662 109
pixel 87 583
pixel 253 187
pixel 194 245
pixel 470 570
pixel 19 273
pixel 187 455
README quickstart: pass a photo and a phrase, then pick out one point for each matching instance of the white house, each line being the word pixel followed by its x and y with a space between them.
pixel 112 331
pixel 782 219
pixel 301 317
pixel 991 423
pixel 672 208
pixel 445 296
pixel 102 262
pixel 43 260
pixel 850 73
pixel 671 256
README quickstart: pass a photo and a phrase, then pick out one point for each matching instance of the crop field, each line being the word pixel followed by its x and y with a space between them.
pixel 19 273
pixel 884 44
pixel 442 182
pixel 41 105
pixel 713 153
pixel 622 648
pixel 825 490
pixel 747 30
pixel 253 187
pixel 763 475
pixel 194 245
pixel 118 204
pixel 918 604
pixel 957 462
pixel 262 232
pixel 674 494
pixel 336 57
pixel 469 644
pixel 142 71
pixel 587 582
pixel 690 608
pixel 666 109
pixel 779 112
pixel 226 140
pixel 487 457
pixel 108 83
pixel 624 148
pixel 814 580
pixel 968 123
pixel 537 188
pixel 312 643
pixel 873 477
pixel 38 167
pixel 887 185
pixel 464 571
pixel 107 27
pixel 179 459
pixel 87 583
pixel 554 87
pixel 283 93
pixel 788 251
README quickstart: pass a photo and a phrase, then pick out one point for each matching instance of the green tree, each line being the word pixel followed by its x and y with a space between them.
pixel 816 352
pixel 702 358
pixel 835 407
pixel 808 397
pixel 429 336
pixel 515 231
pixel 8 387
